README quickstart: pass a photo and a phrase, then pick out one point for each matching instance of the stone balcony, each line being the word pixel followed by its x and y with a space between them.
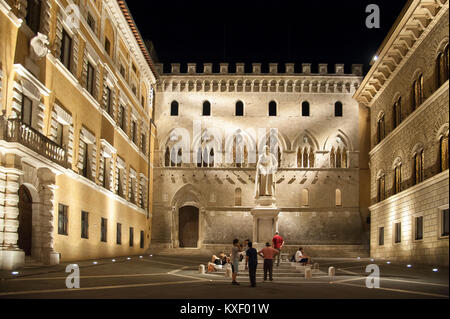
pixel 14 131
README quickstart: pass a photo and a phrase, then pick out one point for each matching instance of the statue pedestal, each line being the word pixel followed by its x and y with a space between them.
pixel 265 219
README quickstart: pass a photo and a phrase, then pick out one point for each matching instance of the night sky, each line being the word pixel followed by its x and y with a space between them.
pixel 263 31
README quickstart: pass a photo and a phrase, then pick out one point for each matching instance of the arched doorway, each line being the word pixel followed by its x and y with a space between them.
pixel 188 227
pixel 25 220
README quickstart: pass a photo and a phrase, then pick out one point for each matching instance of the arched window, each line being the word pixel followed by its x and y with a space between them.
pixel 179 157
pixel 338 158
pixel 206 108
pixel 418 167
pixel 442 65
pixel 443 152
pixel 338 198
pixel 240 152
pixel 397 179
pixel 305 109
pixel 332 158
pixel 239 108
pixel 312 158
pixel 211 158
pixel 344 160
pixel 174 108
pixel 238 197
pixel 418 92
pixel 397 112
pixel 205 157
pixel 305 197
pixel 199 157
pixel 305 157
pixel 338 109
pixel 167 158
pixel 381 129
pixel 273 108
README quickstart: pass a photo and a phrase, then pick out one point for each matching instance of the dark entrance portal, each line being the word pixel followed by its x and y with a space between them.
pixel 25 220
pixel 188 231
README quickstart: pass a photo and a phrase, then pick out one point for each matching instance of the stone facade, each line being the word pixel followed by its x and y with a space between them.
pixel 422 191
pixel 306 187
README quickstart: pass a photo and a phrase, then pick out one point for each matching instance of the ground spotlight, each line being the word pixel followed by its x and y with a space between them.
pixel 388 263
pixel 409 266
pixel 140 257
pixel 95 263
pixel 15 273
pixel 128 258
pixel 113 260
pixel 435 270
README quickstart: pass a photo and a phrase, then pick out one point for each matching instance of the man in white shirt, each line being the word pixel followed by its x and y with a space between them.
pixel 301 257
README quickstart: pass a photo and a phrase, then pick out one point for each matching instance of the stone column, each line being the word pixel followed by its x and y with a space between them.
pixel 13 257
pixel 47 216
pixel 201 223
pixel 174 230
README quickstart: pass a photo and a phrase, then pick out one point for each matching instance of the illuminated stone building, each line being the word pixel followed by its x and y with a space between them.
pixel 407 93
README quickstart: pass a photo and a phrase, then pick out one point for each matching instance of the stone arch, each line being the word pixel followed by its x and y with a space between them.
pixel 441 132
pixel 299 140
pixel 249 140
pixel 441 47
pixel 332 140
pixel 283 141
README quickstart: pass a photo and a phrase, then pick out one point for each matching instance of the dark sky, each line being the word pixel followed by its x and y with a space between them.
pixel 299 31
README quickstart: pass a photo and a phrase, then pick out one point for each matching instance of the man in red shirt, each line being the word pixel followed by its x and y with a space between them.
pixel 268 253
pixel 278 242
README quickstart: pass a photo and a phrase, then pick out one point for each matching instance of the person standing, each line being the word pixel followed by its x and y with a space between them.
pixel 278 242
pixel 251 260
pixel 268 253
pixel 235 255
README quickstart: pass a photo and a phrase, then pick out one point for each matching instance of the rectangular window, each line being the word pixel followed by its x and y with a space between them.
pixel 444 222
pixel 419 228
pixel 122 70
pixel 133 131
pixel 63 219
pixel 33 18
pixel 381 236
pixel 398 233
pixel 122 117
pixel 90 78
pixel 144 143
pixel 397 179
pixel 27 110
pixel 132 193
pixel 59 134
pixel 84 225
pixel 91 22
pixel 131 236
pixel 119 234
pixel 104 229
pixel 381 189
pixel 142 240
pixel 66 50
pixel 134 68
pixel 85 148
pixel 418 166
pixel 106 169
pixel 109 100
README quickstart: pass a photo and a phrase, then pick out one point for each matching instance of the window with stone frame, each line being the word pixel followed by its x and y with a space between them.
pixel 419 167
pixel 122 118
pixel 444 216
pixel 106 172
pixel 381 236
pixel 62 131
pixel 63 219
pixel 338 109
pixel 66 50
pixel 119 234
pixel 443 152
pixel 397 233
pixel 397 179
pixel 84 225
pixel 131 237
pixel 141 243
pixel 109 107
pixel 418 93
pixel 87 155
pixel 144 143
pixel 33 18
pixel 381 188
pixel 338 198
pixel 27 111
pixel 121 178
pixel 418 228
pixel 133 131
pixel 239 111
pixel 174 108
pixel 381 129
pixel 142 191
pixel 206 108
pixel 397 113
pixel 442 66
pixel 104 230
pixel 132 193
pixel 90 80
pixel 108 46
pixel 91 22
pixel 273 109
pixel 305 109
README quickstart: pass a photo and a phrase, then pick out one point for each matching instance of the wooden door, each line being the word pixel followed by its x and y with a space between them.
pixel 188 227
pixel 25 220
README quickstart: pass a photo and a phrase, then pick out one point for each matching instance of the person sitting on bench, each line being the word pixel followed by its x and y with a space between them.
pixel 301 257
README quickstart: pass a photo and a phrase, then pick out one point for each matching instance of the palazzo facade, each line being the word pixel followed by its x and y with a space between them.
pixel 76 95
pixel 408 96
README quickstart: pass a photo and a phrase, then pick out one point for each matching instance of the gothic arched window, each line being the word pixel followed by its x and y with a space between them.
pixel 397 113
pixel 418 92
pixel 443 152
pixel 418 167
pixel 442 65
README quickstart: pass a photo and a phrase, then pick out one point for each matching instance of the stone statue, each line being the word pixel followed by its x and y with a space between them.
pixel 265 174
pixel 38 47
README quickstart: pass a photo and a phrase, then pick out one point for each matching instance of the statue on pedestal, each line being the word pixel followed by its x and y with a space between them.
pixel 266 169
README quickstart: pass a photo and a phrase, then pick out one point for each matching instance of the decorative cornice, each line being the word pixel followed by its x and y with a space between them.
pixel 411 29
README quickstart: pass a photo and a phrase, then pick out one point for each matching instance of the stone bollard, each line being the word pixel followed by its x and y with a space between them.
pixel 228 272
pixel 308 273
pixel 201 269
pixel 331 271
pixel 316 266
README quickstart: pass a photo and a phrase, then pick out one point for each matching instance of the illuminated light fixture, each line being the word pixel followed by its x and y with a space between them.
pixel 128 258
pixel 375 58
pixel 140 257
pixel 15 273
pixel 388 263
pixel 372 259
pixel 95 263
pixel 113 260
pixel 409 266
pixel 435 270
pixel 151 255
